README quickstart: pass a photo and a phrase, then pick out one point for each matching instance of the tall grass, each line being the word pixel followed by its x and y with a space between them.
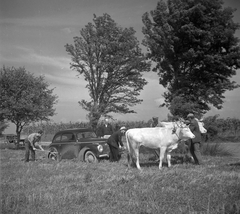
pixel 215 149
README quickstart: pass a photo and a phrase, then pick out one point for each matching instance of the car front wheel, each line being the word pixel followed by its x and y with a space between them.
pixel 54 154
pixel 90 157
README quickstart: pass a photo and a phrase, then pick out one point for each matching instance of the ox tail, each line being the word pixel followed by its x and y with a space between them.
pixel 129 157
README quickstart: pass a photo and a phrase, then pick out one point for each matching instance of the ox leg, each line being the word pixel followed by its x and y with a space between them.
pixel 169 159
pixel 137 159
pixel 130 160
pixel 162 153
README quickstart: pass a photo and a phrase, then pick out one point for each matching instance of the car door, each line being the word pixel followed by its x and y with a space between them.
pixel 68 145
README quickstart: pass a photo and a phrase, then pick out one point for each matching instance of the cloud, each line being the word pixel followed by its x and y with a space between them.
pixel 32 57
pixel 55 69
pixel 159 101
pixel 59 62
pixel 67 30
pixel 58 20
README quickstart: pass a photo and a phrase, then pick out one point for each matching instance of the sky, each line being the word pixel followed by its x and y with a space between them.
pixel 33 34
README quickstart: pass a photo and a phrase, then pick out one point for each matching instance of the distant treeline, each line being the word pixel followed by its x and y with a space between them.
pixel 219 129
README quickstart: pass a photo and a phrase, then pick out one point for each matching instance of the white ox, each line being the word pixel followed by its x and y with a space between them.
pixel 171 125
pixel 165 139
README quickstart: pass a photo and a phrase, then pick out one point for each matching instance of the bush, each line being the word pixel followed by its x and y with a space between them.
pixel 218 129
pixel 222 129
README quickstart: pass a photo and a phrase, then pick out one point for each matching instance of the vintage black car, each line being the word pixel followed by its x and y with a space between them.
pixel 81 143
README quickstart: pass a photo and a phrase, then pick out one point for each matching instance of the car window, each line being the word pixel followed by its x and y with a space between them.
pixel 57 138
pixel 86 135
pixel 80 136
pixel 68 137
pixel 90 135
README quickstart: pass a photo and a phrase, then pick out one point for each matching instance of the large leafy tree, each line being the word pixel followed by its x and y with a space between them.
pixel 3 124
pixel 195 50
pixel 24 98
pixel 111 62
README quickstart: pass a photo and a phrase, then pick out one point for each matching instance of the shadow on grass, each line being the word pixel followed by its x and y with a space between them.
pixel 234 164
pixel 19 148
pixel 154 162
pixel 11 146
pixel 14 147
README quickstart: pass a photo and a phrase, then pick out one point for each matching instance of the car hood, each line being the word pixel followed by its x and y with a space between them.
pixel 89 140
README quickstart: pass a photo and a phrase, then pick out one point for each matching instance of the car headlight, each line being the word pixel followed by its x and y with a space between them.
pixel 100 148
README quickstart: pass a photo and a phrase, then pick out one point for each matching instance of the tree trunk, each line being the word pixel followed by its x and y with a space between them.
pixel 94 118
pixel 18 132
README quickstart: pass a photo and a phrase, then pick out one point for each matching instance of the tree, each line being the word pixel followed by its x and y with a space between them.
pixel 3 124
pixel 180 108
pixel 195 50
pixel 24 98
pixel 111 62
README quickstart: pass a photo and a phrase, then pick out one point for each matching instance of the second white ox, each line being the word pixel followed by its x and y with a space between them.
pixel 163 138
pixel 171 125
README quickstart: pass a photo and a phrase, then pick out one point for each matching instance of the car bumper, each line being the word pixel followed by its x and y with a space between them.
pixel 103 156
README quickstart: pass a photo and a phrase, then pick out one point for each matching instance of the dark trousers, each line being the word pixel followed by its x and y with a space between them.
pixel 195 152
pixel 28 150
pixel 114 153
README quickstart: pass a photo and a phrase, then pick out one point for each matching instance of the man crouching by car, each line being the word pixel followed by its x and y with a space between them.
pixel 30 142
pixel 115 143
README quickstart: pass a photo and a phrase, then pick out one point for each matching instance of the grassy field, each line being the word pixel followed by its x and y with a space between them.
pixel 71 187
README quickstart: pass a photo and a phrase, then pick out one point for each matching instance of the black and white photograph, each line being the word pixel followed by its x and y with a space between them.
pixel 120 106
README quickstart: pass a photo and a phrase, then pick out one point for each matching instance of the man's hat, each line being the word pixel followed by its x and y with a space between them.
pixel 123 128
pixel 190 115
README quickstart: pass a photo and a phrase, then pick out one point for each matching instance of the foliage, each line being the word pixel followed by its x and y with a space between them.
pixel 218 129
pixel 24 98
pixel 75 187
pixel 196 53
pixel 180 108
pixel 221 129
pixel 50 128
pixel 3 126
pixel 3 123
pixel 111 62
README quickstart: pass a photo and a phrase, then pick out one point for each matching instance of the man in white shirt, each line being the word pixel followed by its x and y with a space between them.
pixel 30 142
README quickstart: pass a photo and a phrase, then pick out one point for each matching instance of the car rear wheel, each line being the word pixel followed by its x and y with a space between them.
pixel 54 154
pixel 90 157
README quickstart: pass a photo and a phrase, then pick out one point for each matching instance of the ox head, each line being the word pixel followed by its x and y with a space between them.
pixel 201 127
pixel 180 124
pixel 184 133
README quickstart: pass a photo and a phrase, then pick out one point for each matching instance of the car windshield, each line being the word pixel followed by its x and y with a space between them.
pixel 88 134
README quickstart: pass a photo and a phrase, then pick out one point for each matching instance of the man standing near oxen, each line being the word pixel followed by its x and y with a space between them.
pixel 115 143
pixel 30 145
pixel 195 143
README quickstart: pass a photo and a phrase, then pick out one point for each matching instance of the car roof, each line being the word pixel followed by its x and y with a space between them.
pixel 8 135
pixel 75 130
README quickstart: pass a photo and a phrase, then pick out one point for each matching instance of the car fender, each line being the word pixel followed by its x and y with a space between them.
pixel 82 152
